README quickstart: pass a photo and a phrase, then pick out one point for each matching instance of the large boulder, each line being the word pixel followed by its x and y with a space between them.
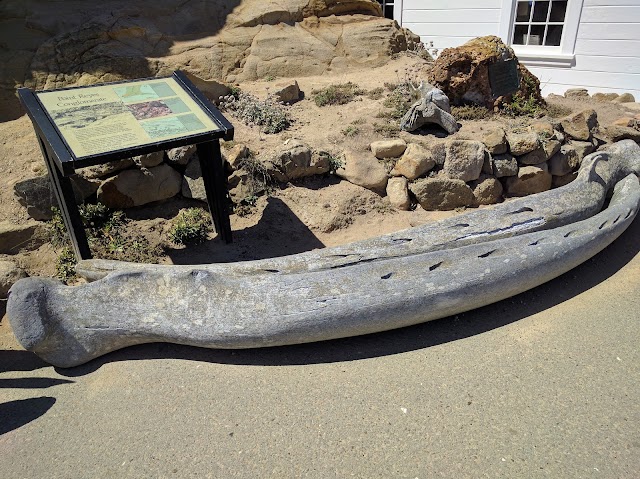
pixel 463 72
pixel 442 193
pixel 56 44
pixel 363 170
pixel 464 159
pixel 296 160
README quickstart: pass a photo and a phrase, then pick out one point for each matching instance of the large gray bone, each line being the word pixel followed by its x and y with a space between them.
pixel 317 296
pixel 432 107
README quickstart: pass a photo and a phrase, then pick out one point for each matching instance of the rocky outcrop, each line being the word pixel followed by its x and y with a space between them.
pixel 224 40
pixel 463 73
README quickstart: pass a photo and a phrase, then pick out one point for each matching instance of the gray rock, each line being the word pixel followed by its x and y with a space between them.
pixel 14 237
pixel 138 187
pixel 181 155
pixel 580 126
pixel 415 162
pixel 534 157
pixel 363 170
pixel 388 148
pixel 238 186
pixel 522 143
pixel 10 272
pixel 149 160
pixel 464 159
pixel 397 280
pixel 487 190
pixel 296 160
pixel 530 180
pixel 551 147
pixel 442 193
pixel 504 165
pixel 287 92
pixel 37 196
pixel 432 108
pixel 398 193
pixel 192 183
pixel 496 141
pixel 565 161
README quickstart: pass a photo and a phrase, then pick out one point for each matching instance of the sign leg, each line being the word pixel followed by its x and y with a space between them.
pixel 215 186
pixel 68 207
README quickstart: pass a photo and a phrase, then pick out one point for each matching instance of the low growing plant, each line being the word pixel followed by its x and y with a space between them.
pixel 338 94
pixel 191 226
pixel 269 115
pixel 470 112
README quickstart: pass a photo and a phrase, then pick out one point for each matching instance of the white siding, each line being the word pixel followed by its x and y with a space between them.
pixel 607 51
pixel 450 23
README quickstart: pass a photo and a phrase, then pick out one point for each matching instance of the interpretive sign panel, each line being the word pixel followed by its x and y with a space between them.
pixel 504 78
pixel 98 119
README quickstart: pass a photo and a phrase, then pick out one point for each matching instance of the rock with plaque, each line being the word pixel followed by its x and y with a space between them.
pixel 86 126
pixel 504 78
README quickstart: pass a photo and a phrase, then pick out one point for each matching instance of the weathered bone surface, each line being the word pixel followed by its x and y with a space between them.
pixel 432 107
pixel 375 285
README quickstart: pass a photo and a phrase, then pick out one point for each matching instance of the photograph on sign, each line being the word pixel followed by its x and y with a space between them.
pixel 103 118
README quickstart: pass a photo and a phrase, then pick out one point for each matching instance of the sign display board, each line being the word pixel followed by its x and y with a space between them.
pixel 504 78
pixel 98 119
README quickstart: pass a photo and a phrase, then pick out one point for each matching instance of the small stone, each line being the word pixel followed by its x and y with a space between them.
pixel 617 133
pixel 442 193
pixel 192 182
pixel 16 236
pixel 522 143
pixel 487 190
pixel 583 148
pixel 565 161
pixel 388 148
pixel 464 159
pixel 559 181
pixel 533 157
pixel 234 156
pixel 287 92
pixel 181 155
pixel 624 98
pixel 581 125
pixel 415 162
pixel 10 272
pixel 530 180
pixel 576 93
pixel 296 160
pixel 398 193
pixel 504 165
pixel 551 147
pixel 363 170
pixel 543 129
pixel 604 97
pixel 149 160
pixel 496 141
pixel 138 187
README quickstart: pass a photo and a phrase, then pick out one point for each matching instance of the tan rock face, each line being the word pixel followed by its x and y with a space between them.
pixel 530 180
pixel 464 159
pixel 388 148
pixel 363 170
pixel 522 143
pixel 581 125
pixel 496 141
pixel 223 40
pixel 487 190
pixel 415 162
pixel 398 193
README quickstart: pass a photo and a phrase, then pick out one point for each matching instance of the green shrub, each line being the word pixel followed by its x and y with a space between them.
pixel 470 112
pixel 270 115
pixel 351 131
pixel 376 93
pixel 191 226
pixel 388 130
pixel 66 265
pixel 338 94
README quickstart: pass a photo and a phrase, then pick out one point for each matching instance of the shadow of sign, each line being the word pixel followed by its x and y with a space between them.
pixel 15 414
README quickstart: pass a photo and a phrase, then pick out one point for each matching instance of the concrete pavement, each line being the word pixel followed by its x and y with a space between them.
pixel 544 384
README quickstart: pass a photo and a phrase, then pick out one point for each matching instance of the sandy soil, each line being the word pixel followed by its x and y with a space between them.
pixel 311 213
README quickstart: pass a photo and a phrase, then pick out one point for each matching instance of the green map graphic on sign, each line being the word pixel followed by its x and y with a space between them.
pixel 135 93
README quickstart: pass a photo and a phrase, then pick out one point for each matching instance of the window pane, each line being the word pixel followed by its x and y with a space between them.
pixel 388 11
pixel 523 11
pixel 540 11
pixel 520 35
pixel 554 35
pixel 558 11
pixel 536 35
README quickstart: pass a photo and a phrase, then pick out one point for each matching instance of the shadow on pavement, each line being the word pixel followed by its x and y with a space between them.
pixel 481 320
pixel 15 414
pixel 11 360
pixel 31 383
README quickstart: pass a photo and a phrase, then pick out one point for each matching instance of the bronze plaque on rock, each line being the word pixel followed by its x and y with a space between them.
pixel 504 78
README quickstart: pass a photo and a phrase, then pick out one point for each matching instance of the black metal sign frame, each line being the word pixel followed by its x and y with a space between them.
pixel 61 162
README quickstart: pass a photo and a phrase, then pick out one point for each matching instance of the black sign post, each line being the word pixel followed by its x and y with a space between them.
pixel 85 126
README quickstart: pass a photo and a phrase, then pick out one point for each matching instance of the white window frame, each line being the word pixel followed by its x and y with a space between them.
pixel 562 56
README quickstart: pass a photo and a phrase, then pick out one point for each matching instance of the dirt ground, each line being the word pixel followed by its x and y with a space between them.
pixel 312 213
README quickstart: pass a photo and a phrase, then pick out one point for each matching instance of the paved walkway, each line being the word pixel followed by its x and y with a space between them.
pixel 544 384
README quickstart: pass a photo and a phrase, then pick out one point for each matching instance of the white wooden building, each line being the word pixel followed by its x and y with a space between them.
pixel 594 44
